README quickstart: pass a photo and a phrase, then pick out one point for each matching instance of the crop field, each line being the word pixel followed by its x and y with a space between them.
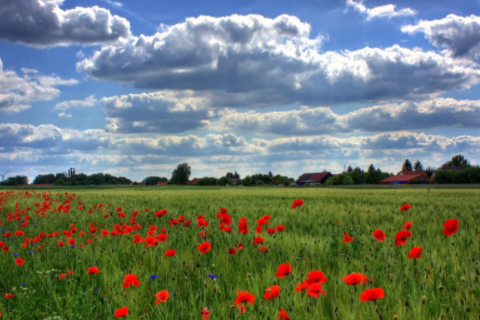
pixel 240 253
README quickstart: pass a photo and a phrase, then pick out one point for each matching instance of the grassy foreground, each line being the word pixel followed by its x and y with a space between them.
pixel 443 283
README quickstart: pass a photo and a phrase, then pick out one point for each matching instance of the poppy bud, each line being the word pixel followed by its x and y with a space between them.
pixel 395 317
pixel 424 299
pixel 440 287
pixel 213 266
pixel 407 304
pixel 249 275
pixel 467 309
pixel 205 284
pixel 462 279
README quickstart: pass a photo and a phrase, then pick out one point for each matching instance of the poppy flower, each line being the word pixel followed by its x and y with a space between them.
pixel 121 312
pixel 240 246
pixel 70 272
pixel 355 278
pixel 170 253
pixel 162 296
pixel 372 294
pixel 71 241
pixel 347 238
pixel 272 292
pixel 63 275
pixel 407 225
pixel 405 207
pixel 283 315
pixel 131 280
pixel 19 262
pixel 263 248
pixel 298 202
pixel 316 276
pixel 450 227
pixel 8 296
pixel 401 237
pixel 204 247
pixel 283 270
pixel 379 235
pixel 315 289
pixel 271 230
pixel 415 253
pixel 232 251
pixel 258 240
pixel 205 313
pixel 243 297
pixel 280 228
pixel 92 270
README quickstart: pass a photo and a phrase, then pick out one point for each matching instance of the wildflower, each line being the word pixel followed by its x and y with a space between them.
pixel 92 270
pixel 272 292
pixel 405 207
pixel 162 296
pixel 243 297
pixel 372 294
pixel 263 248
pixel 131 279
pixel 401 237
pixel 205 313
pixel 315 289
pixel 170 253
pixel 153 277
pixel 212 276
pixel 283 270
pixel 19 262
pixel 415 253
pixel 297 203
pixel 63 275
pixel 450 227
pixel 407 225
pixel 347 238
pixel 258 240
pixel 232 251
pixel 121 312
pixel 355 278
pixel 204 247
pixel 379 235
pixel 282 315
pixel 8 296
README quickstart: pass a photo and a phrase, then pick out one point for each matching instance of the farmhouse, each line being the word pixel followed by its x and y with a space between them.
pixel 313 178
pixel 407 177
pixel 162 183
pixel 193 182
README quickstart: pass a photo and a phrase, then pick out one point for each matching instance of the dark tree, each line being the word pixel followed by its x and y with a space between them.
pixel 457 161
pixel 236 175
pixel 349 169
pixel 181 174
pixel 407 165
pixel 229 175
pixel 270 174
pixel 153 180
pixel 430 171
pixel 418 166
pixel 371 168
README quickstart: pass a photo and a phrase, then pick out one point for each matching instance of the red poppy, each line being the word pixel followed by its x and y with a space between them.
pixel 316 276
pixel 315 289
pixel 162 296
pixel 379 235
pixel 280 228
pixel 63 275
pixel 92 270
pixel 407 225
pixel 450 227
pixel 272 292
pixel 19 262
pixel 298 202
pixel 415 253
pixel 347 238
pixel 405 207
pixel 283 270
pixel 8 296
pixel 232 251
pixel 263 248
pixel 355 278
pixel 401 237
pixel 258 240
pixel 131 280
pixel 150 241
pixel 204 247
pixel 71 241
pixel 243 297
pixel 372 294
pixel 283 315
pixel 368 211
pixel 61 244
pixel 271 230
pixel 70 272
pixel 205 313
pixel 240 246
pixel 170 253
pixel 121 312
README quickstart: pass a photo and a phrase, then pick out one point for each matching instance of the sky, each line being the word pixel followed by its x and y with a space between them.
pixel 135 87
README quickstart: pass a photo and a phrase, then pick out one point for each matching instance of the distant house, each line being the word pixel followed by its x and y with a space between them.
pixel 162 183
pixel 313 178
pixel 193 182
pixel 407 177
pixel 233 180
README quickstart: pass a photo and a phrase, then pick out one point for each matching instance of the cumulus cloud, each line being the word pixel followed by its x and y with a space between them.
pixel 253 56
pixel 461 35
pixel 43 23
pixel 17 92
pixel 322 120
pixel 87 102
pixel 385 11
pixel 158 112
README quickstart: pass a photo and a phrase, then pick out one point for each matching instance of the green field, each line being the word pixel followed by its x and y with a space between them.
pixel 446 275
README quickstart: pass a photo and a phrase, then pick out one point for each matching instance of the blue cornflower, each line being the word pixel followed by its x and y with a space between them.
pixel 212 276
pixel 3 231
pixel 72 246
pixel 24 284
pixel 174 294
pixel 31 252
pixel 153 277
pixel 15 255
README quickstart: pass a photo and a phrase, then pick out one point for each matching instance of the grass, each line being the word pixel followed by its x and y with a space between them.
pixel 447 274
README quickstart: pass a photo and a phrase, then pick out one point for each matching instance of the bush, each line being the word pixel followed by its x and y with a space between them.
pixel 260 183
pixel 59 182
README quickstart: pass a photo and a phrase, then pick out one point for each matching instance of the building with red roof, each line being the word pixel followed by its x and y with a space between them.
pixel 313 178
pixel 407 177
pixel 162 183
pixel 193 182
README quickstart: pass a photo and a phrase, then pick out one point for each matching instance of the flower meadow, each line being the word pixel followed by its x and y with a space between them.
pixel 239 253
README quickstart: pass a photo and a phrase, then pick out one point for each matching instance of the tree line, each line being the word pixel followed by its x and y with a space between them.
pixel 80 179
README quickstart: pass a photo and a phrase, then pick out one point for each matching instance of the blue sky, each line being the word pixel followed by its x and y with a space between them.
pixel 135 87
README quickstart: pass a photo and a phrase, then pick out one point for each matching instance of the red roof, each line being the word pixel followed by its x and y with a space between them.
pixel 233 179
pixel 407 177
pixel 193 182
pixel 408 172
pixel 317 176
pixel 162 183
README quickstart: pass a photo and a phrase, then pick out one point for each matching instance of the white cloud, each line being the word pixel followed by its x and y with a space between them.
pixel 433 113
pixel 43 23
pixel 64 115
pixel 18 92
pixel 224 57
pixel 385 11
pixel 460 35
pixel 64 105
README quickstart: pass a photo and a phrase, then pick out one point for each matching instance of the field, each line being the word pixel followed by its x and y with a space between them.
pixel 443 283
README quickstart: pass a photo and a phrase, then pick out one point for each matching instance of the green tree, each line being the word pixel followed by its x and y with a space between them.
pixel 371 168
pixel 430 171
pixel 349 169
pixel 407 165
pixel 223 181
pixel 59 182
pixel 457 161
pixel 418 166
pixel 236 175
pixel 181 174
pixel 153 180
